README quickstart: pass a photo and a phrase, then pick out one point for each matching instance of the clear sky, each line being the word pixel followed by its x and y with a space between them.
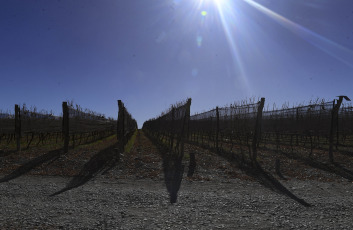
pixel 153 53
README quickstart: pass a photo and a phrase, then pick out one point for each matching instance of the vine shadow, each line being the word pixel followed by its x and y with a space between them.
pixel 101 162
pixel 173 175
pixel 23 169
pixel 173 169
pixel 334 167
pixel 254 170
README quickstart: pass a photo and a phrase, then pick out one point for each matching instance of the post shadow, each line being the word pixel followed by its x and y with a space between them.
pixel 254 170
pixel 271 182
pixel 334 167
pixel 192 164
pixel 104 160
pixel 173 175
pixel 50 156
pixel 173 169
pixel 4 153
pixel 343 169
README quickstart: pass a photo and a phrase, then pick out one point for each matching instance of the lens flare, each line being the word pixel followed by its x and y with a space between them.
pixel 222 5
pixel 199 41
pixel 333 49
pixel 194 72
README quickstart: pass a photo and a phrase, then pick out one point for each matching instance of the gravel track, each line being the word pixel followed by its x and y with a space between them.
pixel 133 195
pixel 143 204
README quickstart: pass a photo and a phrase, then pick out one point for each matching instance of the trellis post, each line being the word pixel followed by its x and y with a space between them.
pixel 185 128
pixel 334 117
pixel 257 129
pixel 18 127
pixel 121 125
pixel 172 129
pixel 217 128
pixel 65 128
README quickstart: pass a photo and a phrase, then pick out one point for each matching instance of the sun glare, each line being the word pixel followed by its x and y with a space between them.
pixel 219 2
pixel 226 13
pixel 216 2
pixel 330 47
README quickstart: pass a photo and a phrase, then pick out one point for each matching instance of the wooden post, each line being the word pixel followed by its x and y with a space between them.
pixel 185 128
pixel 18 127
pixel 117 125
pixel 334 115
pixel 210 133
pixel 337 132
pixel 121 125
pixel 217 128
pixel 257 130
pixel 123 130
pixel 172 130
pixel 65 128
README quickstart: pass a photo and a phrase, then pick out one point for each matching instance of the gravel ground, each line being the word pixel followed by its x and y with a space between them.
pixel 132 194
pixel 144 204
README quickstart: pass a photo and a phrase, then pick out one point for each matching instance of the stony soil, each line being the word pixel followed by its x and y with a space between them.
pixel 131 194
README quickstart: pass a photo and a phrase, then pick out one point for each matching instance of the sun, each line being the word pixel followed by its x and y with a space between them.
pixel 218 3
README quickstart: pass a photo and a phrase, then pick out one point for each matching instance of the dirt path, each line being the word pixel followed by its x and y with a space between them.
pixel 143 161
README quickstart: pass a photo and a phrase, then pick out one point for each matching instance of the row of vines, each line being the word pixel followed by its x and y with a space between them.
pixel 126 125
pixel 242 132
pixel 27 127
pixel 169 131
pixel 326 126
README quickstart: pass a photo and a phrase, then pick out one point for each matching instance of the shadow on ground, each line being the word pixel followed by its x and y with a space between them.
pixel 272 183
pixel 255 171
pixel 101 162
pixel 23 169
pixel 4 153
pixel 173 175
pixel 172 167
pixel 334 168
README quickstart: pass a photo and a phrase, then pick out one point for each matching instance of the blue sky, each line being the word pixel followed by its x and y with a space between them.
pixel 153 53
